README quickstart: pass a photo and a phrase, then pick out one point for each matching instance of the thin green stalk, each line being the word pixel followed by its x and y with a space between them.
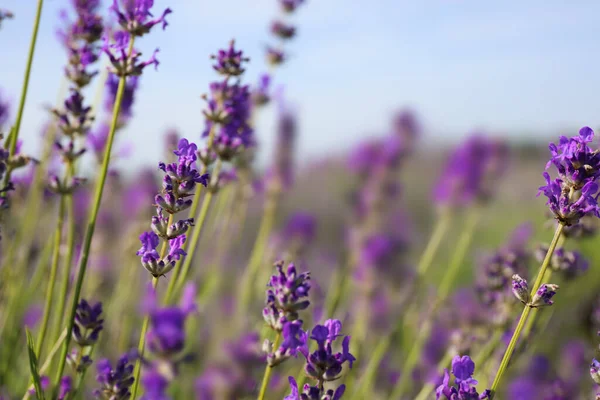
pixel 176 283
pixel 258 250
pixel 52 278
pixel 463 245
pixel 142 341
pixel 429 387
pixel 25 87
pixel 70 241
pixel 516 334
pixel 87 241
pixel 268 369
pixel 370 373
pixel 141 349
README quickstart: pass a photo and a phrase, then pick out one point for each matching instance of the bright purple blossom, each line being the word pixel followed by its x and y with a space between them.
pixel 230 62
pixel 294 340
pixel 543 296
pixel 122 63
pixel 135 17
pixel 463 369
pixel 88 323
pixel 115 382
pixel 565 209
pixel 287 294
pixel 575 161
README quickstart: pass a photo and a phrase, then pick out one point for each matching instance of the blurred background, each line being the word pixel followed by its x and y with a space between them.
pixel 525 70
pixel 363 80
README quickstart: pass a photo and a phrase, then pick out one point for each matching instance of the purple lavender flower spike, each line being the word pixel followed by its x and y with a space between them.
pixel 294 341
pixel 115 382
pixel 66 386
pixel 155 386
pixel 135 16
pixel 471 173
pixel 88 323
pixel 543 296
pixel 465 389
pixel 122 64
pixel 520 289
pixel 570 264
pixel 282 30
pixel 230 62
pixel 289 6
pixel 565 210
pixel 287 294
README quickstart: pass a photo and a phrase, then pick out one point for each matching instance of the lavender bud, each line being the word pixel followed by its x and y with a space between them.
pixel 595 371
pixel 88 323
pixel 543 297
pixel 520 289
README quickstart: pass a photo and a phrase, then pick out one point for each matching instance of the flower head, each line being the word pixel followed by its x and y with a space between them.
pixel 230 62
pixel 123 63
pixel 287 294
pixel 88 323
pixel 462 368
pixel 135 16
pixel 543 296
pixel 115 382
pixel 566 208
pixel 313 392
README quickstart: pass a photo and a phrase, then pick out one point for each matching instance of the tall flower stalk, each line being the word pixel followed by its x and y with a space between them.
pixel 571 196
pixel 228 134
pixel 135 19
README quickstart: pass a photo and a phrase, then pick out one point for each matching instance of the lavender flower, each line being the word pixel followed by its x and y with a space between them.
pixel 135 16
pixel 294 340
pixel 178 184
pixel 520 289
pixel 275 56
pixel 595 371
pixel 323 365
pixel 289 6
pixel 66 386
pixel 122 63
pixel 155 385
pixel 282 30
pixel 115 383
pixel 572 194
pixel 76 119
pixel 543 297
pixel 463 369
pixel 471 173
pixel 569 263
pixel 287 294
pixel 88 323
pixel 230 62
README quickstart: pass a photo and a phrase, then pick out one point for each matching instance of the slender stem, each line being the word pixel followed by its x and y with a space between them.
pixel 371 371
pixel 87 241
pixel 64 288
pixel 463 245
pixel 142 340
pixel 141 349
pixel 258 250
pixel 515 337
pixel 268 370
pixel 52 278
pixel 25 87
pixel 429 386
pixel 437 235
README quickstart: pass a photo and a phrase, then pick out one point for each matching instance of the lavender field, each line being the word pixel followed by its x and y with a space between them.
pixel 221 262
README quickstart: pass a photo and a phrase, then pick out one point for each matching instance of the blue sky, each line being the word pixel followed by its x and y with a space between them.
pixel 510 67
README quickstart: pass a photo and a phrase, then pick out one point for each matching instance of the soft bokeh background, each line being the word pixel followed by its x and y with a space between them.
pixel 524 69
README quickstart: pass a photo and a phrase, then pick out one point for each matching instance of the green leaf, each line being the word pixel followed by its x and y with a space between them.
pixel 33 366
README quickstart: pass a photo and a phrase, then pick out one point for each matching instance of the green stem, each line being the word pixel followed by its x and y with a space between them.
pixel 52 278
pixel 91 226
pixel 463 245
pixel 515 337
pixel 258 250
pixel 48 361
pixel 429 386
pixel 141 349
pixel 25 87
pixel 484 354
pixel 64 288
pixel 268 370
